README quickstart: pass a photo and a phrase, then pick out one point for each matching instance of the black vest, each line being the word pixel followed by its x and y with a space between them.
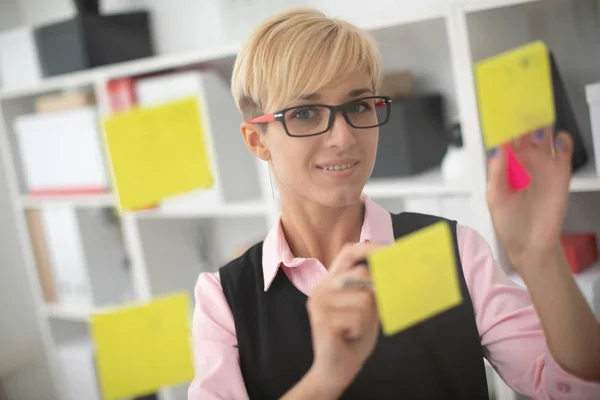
pixel 440 358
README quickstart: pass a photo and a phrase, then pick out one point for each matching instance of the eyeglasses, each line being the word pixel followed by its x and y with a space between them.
pixel 315 119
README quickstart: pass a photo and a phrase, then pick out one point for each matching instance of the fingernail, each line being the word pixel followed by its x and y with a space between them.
pixel 494 152
pixel 539 135
pixel 560 143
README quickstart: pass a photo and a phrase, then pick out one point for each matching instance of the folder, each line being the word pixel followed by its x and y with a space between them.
pixel 157 152
pixel 67 257
pixel 142 348
pixel 61 152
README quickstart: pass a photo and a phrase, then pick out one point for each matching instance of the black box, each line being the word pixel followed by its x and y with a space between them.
pixel 89 40
pixel 565 118
pixel 414 139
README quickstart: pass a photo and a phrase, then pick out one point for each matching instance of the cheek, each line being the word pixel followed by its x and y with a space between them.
pixel 290 158
pixel 369 144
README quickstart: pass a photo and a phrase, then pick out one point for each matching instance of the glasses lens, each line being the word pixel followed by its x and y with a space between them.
pixel 304 121
pixel 367 113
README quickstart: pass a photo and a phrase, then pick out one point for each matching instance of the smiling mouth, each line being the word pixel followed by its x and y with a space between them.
pixel 339 167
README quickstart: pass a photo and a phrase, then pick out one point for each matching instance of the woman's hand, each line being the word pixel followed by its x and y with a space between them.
pixel 529 222
pixel 343 319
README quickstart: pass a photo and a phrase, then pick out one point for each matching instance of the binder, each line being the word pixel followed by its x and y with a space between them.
pixel 61 152
pixel 63 238
pixel 42 256
pixel 121 94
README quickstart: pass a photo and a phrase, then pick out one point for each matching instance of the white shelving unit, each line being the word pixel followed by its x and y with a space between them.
pixel 167 248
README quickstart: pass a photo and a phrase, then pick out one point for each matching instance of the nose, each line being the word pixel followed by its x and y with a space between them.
pixel 341 134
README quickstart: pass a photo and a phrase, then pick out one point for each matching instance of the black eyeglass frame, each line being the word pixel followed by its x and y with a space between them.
pixel 333 110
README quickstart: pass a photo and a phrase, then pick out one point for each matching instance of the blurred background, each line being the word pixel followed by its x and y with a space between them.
pixel 68 248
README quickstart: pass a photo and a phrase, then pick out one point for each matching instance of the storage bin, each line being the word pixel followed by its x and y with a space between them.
pixel 89 40
pixel 414 139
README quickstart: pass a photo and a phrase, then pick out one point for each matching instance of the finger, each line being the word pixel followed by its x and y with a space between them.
pixel 563 145
pixel 526 142
pixel 350 299
pixel 350 255
pixel 351 324
pixel 354 279
pixel 542 139
pixel 497 186
pixel 357 284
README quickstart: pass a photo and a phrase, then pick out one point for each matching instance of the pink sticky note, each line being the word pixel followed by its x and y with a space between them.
pixel 518 178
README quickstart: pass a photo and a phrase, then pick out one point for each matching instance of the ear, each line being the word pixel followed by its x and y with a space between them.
pixel 255 140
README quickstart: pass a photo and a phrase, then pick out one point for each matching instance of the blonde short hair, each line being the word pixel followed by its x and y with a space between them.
pixel 298 52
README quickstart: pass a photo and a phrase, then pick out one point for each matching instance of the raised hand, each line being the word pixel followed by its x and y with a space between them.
pixel 530 221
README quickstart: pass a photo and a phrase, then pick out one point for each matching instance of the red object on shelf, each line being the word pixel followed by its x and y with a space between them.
pixel 82 191
pixel 121 94
pixel 581 250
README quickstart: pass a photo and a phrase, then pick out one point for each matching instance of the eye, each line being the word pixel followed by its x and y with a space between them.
pixel 305 113
pixel 358 107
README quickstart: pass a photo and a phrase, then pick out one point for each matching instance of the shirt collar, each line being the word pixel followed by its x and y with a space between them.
pixel 377 228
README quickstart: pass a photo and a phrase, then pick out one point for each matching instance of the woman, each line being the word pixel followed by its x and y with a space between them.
pixel 282 321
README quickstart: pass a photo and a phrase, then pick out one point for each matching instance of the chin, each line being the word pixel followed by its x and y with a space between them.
pixel 340 197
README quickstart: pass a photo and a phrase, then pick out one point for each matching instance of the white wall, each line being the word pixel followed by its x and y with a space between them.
pixel 10 14
pixel 181 25
pixel 37 12
pixel 23 368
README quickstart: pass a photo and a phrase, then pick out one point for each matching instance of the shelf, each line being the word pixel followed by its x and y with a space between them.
pixel 130 68
pixel 56 83
pixel 69 313
pixel 427 183
pixel 585 180
pixel 90 201
pixel 249 209
pixel 169 61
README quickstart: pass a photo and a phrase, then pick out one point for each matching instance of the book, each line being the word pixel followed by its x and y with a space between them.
pixel 41 255
pixel 121 94
pixel 64 101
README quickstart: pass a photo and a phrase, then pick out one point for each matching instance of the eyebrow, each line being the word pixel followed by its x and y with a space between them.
pixel 353 93
pixel 358 92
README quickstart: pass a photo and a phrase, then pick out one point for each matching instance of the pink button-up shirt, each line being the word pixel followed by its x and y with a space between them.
pixel 509 328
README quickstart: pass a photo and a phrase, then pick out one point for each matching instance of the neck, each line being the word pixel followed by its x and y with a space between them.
pixel 316 231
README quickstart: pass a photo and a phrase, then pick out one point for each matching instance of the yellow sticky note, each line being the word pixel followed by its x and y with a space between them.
pixel 415 278
pixel 140 349
pixel 157 152
pixel 515 93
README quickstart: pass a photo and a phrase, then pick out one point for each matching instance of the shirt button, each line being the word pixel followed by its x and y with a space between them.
pixel 564 387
